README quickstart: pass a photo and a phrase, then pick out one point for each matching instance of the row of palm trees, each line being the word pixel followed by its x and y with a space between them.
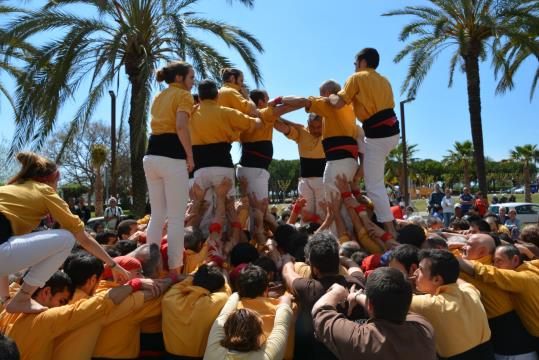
pixel 461 157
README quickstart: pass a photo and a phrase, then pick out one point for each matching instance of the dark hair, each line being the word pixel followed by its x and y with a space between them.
pixel 389 293
pixel 32 166
pixel 192 238
pixel 124 227
pixel 243 331
pixel 59 281
pixel 8 349
pixel 96 225
pixel 243 253
pixel 412 234
pixel 81 267
pixel 209 277
pixel 112 252
pixel 460 224
pixel 291 240
pixel 348 248
pixel 323 250
pixel 370 55
pixel 266 263
pixel 168 73
pixel 482 225
pixel 436 242
pixel 207 90
pixel 252 282
pixel 257 95
pixel 442 263
pixel 103 238
pixel 496 237
pixel 359 256
pixel 405 254
pixel 227 73
pixel 510 251
pixel 124 247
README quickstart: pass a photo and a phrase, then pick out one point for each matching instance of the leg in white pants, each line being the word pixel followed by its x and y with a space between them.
pixel 207 178
pixel 43 252
pixel 376 151
pixel 167 180
pixel 312 190
pixel 257 180
pixel 348 168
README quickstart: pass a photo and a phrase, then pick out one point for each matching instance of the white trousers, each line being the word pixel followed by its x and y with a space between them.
pixel 167 180
pixel 208 178
pixel 376 151
pixel 42 251
pixel 312 190
pixel 257 178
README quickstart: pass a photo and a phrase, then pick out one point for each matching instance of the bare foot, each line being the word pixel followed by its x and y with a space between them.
pixel 24 305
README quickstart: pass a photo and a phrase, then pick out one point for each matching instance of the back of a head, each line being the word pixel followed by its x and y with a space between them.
pixel 530 234
pixel 193 237
pixel 58 282
pixel 370 55
pixel 323 250
pixel 169 72
pixel 348 248
pixel 209 277
pixel 405 254
pixel 266 263
pixel 460 224
pixel 124 227
pixel 8 349
pixel 208 90
pixel 510 251
pixel 243 331
pixel 103 238
pixel 243 253
pixel 330 86
pixel 33 166
pixel 290 240
pixel 252 282
pixel 228 73
pixel 443 263
pixel 411 234
pixel 389 293
pixel 126 246
pixel 81 267
pixel 257 95
pixel 481 225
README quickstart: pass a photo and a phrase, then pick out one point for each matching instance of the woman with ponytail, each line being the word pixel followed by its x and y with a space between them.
pixel 169 158
pixel 28 197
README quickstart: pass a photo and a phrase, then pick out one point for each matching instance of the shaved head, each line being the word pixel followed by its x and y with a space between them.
pixel 478 246
pixel 329 87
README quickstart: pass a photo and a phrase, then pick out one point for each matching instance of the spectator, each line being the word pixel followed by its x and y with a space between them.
pixel 412 234
pixel 113 214
pixel 481 203
pixel 435 198
pixel 495 200
pixel 458 213
pixel 512 221
pixel 502 217
pixel 448 207
pixel 466 200
pixel 83 211
pixel 126 228
pixel 512 198
pixel 98 228
pixel 106 238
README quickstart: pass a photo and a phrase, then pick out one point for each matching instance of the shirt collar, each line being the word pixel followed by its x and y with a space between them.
pixel 232 86
pixel 178 86
pixel 448 288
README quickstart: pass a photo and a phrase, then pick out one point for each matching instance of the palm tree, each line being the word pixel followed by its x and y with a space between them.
pixel 395 165
pixel 461 156
pixel 526 155
pixel 135 36
pixel 473 27
pixel 98 158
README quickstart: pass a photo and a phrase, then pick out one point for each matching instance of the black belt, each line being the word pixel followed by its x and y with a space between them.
pixel 6 230
pixel 256 154
pixel 480 352
pixel 169 356
pixel 382 124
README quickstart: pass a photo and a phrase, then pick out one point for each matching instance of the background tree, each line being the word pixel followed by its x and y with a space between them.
pixel 527 155
pixel 8 167
pixel 473 27
pixel 283 172
pixel 395 165
pixel 99 157
pixel 129 36
pixel 461 157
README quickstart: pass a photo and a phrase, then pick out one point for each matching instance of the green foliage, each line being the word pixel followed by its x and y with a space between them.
pixel 283 172
pixel 70 191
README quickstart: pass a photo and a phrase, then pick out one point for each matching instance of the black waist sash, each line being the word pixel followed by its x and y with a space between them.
pixel 209 155
pixel 168 145
pixel 311 167
pixel 382 124
pixel 480 352
pixel 257 154
pixel 509 336
pixel 169 356
pixel 340 147
pixel 5 229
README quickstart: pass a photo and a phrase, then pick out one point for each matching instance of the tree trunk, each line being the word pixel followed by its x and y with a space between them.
pixel 471 63
pixel 466 175
pixel 527 181
pixel 98 192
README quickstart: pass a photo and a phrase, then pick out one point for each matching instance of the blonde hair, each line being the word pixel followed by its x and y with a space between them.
pixel 33 166
pixel 168 73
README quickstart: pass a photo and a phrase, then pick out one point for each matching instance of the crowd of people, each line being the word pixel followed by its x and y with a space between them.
pixel 214 275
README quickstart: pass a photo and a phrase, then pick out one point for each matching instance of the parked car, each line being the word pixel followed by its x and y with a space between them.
pixel 519 190
pixel 526 212
pixel 100 220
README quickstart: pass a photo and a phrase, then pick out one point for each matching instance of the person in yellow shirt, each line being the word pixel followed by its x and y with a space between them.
pixel 189 310
pixel 311 158
pixel 169 158
pixel 29 196
pixel 452 306
pixel 509 273
pixel 213 128
pixel 372 97
pixel 509 336
pixel 233 93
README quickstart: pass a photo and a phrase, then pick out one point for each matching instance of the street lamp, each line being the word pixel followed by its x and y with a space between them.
pixel 112 143
pixel 405 152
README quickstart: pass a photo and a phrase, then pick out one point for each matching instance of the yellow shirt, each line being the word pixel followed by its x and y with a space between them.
pixel 309 146
pixel 35 333
pixel 523 284
pixel 304 270
pixel 79 344
pixel 188 314
pixel 264 133
pixel 369 93
pixel 230 96
pixel 192 260
pixel 166 105
pixel 496 301
pixel 336 122
pixel 24 205
pixel 457 315
pixel 213 123
pixel 266 308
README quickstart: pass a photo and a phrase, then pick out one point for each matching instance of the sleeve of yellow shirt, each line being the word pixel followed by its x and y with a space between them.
pixel 508 280
pixel 133 302
pixel 267 116
pixel 349 90
pixel 294 134
pixel 60 212
pixel 318 106
pixel 150 309
pixel 276 343
pixel 184 103
pixel 239 121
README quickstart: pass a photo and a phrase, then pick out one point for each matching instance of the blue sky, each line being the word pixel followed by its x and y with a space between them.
pixel 309 41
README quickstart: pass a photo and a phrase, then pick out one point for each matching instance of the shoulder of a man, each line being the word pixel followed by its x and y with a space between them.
pixel 307 289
